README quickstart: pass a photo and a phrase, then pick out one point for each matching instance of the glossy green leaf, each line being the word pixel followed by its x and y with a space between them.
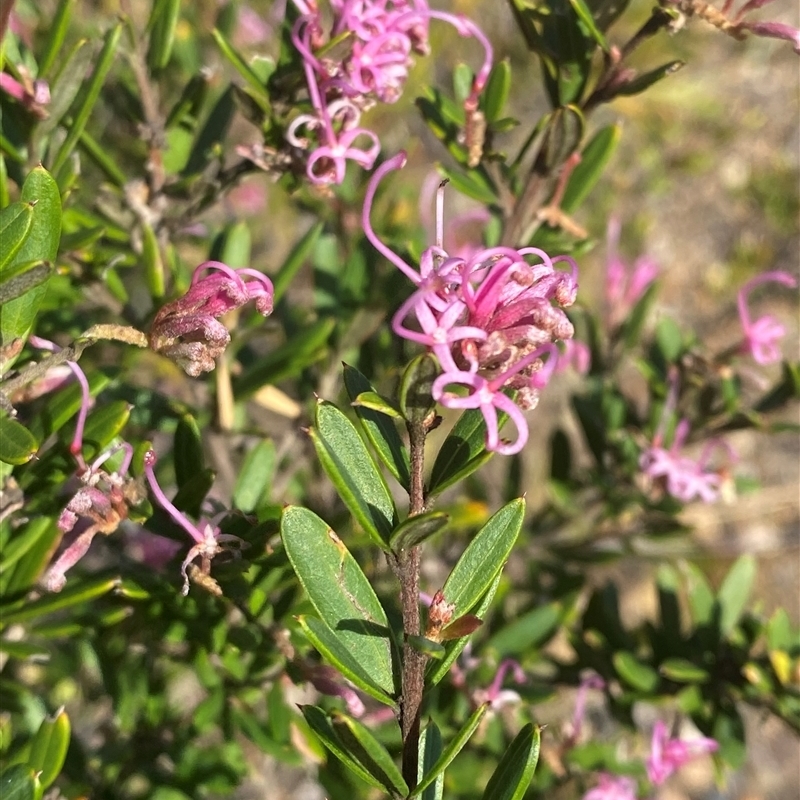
pixel 463 451
pixel 21 575
pixel 15 225
pixel 495 95
pixel 302 350
pixel 527 631
pixel 734 593
pixel 594 158
pixel 484 558
pixel 414 394
pixel 371 754
pixel 162 24
pixel 48 749
pixel 374 402
pixel 41 244
pixel 415 530
pixel 335 651
pixel 636 674
pixel 17 443
pixel 255 476
pixel 322 727
pixel 682 671
pixel 340 592
pixel 103 424
pixel 352 471
pixel 430 750
pixel 378 427
pixel 454 648
pixel 513 774
pixel 18 782
pixel 75 594
pixel 452 750
pixel 187 449
pixel 88 99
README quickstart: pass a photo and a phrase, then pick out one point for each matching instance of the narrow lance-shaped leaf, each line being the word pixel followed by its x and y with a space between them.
pixel 594 158
pixel 379 428
pixel 430 749
pixel 340 592
pixel 254 477
pixel 513 775
pixel 452 749
pixel 734 593
pixel 352 471
pixel 163 22
pixel 49 747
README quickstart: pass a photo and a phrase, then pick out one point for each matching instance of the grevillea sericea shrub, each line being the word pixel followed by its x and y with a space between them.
pixel 293 299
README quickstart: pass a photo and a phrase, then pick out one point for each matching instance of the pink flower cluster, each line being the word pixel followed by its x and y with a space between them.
pixel 188 329
pixel 684 478
pixel 380 37
pixel 490 319
pixel 761 337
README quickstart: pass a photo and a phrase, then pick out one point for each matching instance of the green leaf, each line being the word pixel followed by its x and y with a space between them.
pixel 17 443
pixel 22 539
pixel 682 671
pixel 18 782
pixel 237 245
pixel 352 471
pixel 49 747
pixel 22 278
pixel 495 95
pixel 378 427
pixel 636 674
pixel 162 24
pixel 254 478
pixel 256 88
pixel 88 100
pixel 669 339
pixel 452 749
pixel 340 592
pixel 79 592
pixel 594 158
pixel 41 244
pixel 430 749
pixel 643 82
pixel 734 593
pixel 15 225
pixel 56 34
pixel 426 646
pixel 65 87
pixel 528 631
pixel 513 775
pixel 463 451
pixel 104 425
pixel 371 754
pixel 484 558
pixel 187 450
pixel 335 651
pixel 415 530
pixel 701 597
pixel 414 395
pixel 299 255
pixel 374 402
pixel 585 16
pixel 322 727
pixel 154 276
pixel 475 184
pixel 633 325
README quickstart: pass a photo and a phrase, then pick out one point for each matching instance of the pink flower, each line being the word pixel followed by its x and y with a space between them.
pixel 209 541
pixel 591 681
pixel 329 681
pixel 490 319
pixel 761 337
pixel 624 286
pixel 574 354
pixel 612 787
pixel 188 329
pixel 494 694
pixel 669 755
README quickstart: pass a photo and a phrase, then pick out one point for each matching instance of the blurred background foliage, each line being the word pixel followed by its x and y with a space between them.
pixel 160 120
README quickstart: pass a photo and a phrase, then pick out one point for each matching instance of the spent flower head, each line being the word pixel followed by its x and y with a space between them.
pixel 188 329
pixel 491 320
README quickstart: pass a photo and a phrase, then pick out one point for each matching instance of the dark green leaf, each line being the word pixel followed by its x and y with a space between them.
pixel 452 749
pixel 495 95
pixel 642 82
pixel 22 539
pixel 682 671
pixel 18 782
pixel 162 24
pixel 430 749
pixel 255 476
pixel 527 631
pixel 340 592
pixel 352 471
pixel 379 428
pixel 585 16
pixel 415 530
pixel 734 593
pixel 17 444
pixel 475 184
pixel 49 747
pixel 636 674
pixel 103 425
pixel 78 592
pixel 513 775
pixel 416 402
pixel 299 255
pixel 187 450
pixel 56 35
pixel 594 158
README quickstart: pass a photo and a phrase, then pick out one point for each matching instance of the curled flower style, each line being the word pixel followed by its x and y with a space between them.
pixel 612 787
pixel 209 541
pixel 380 37
pixel 590 681
pixel 684 478
pixel 761 337
pixel 188 329
pixel 667 755
pixel 490 319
